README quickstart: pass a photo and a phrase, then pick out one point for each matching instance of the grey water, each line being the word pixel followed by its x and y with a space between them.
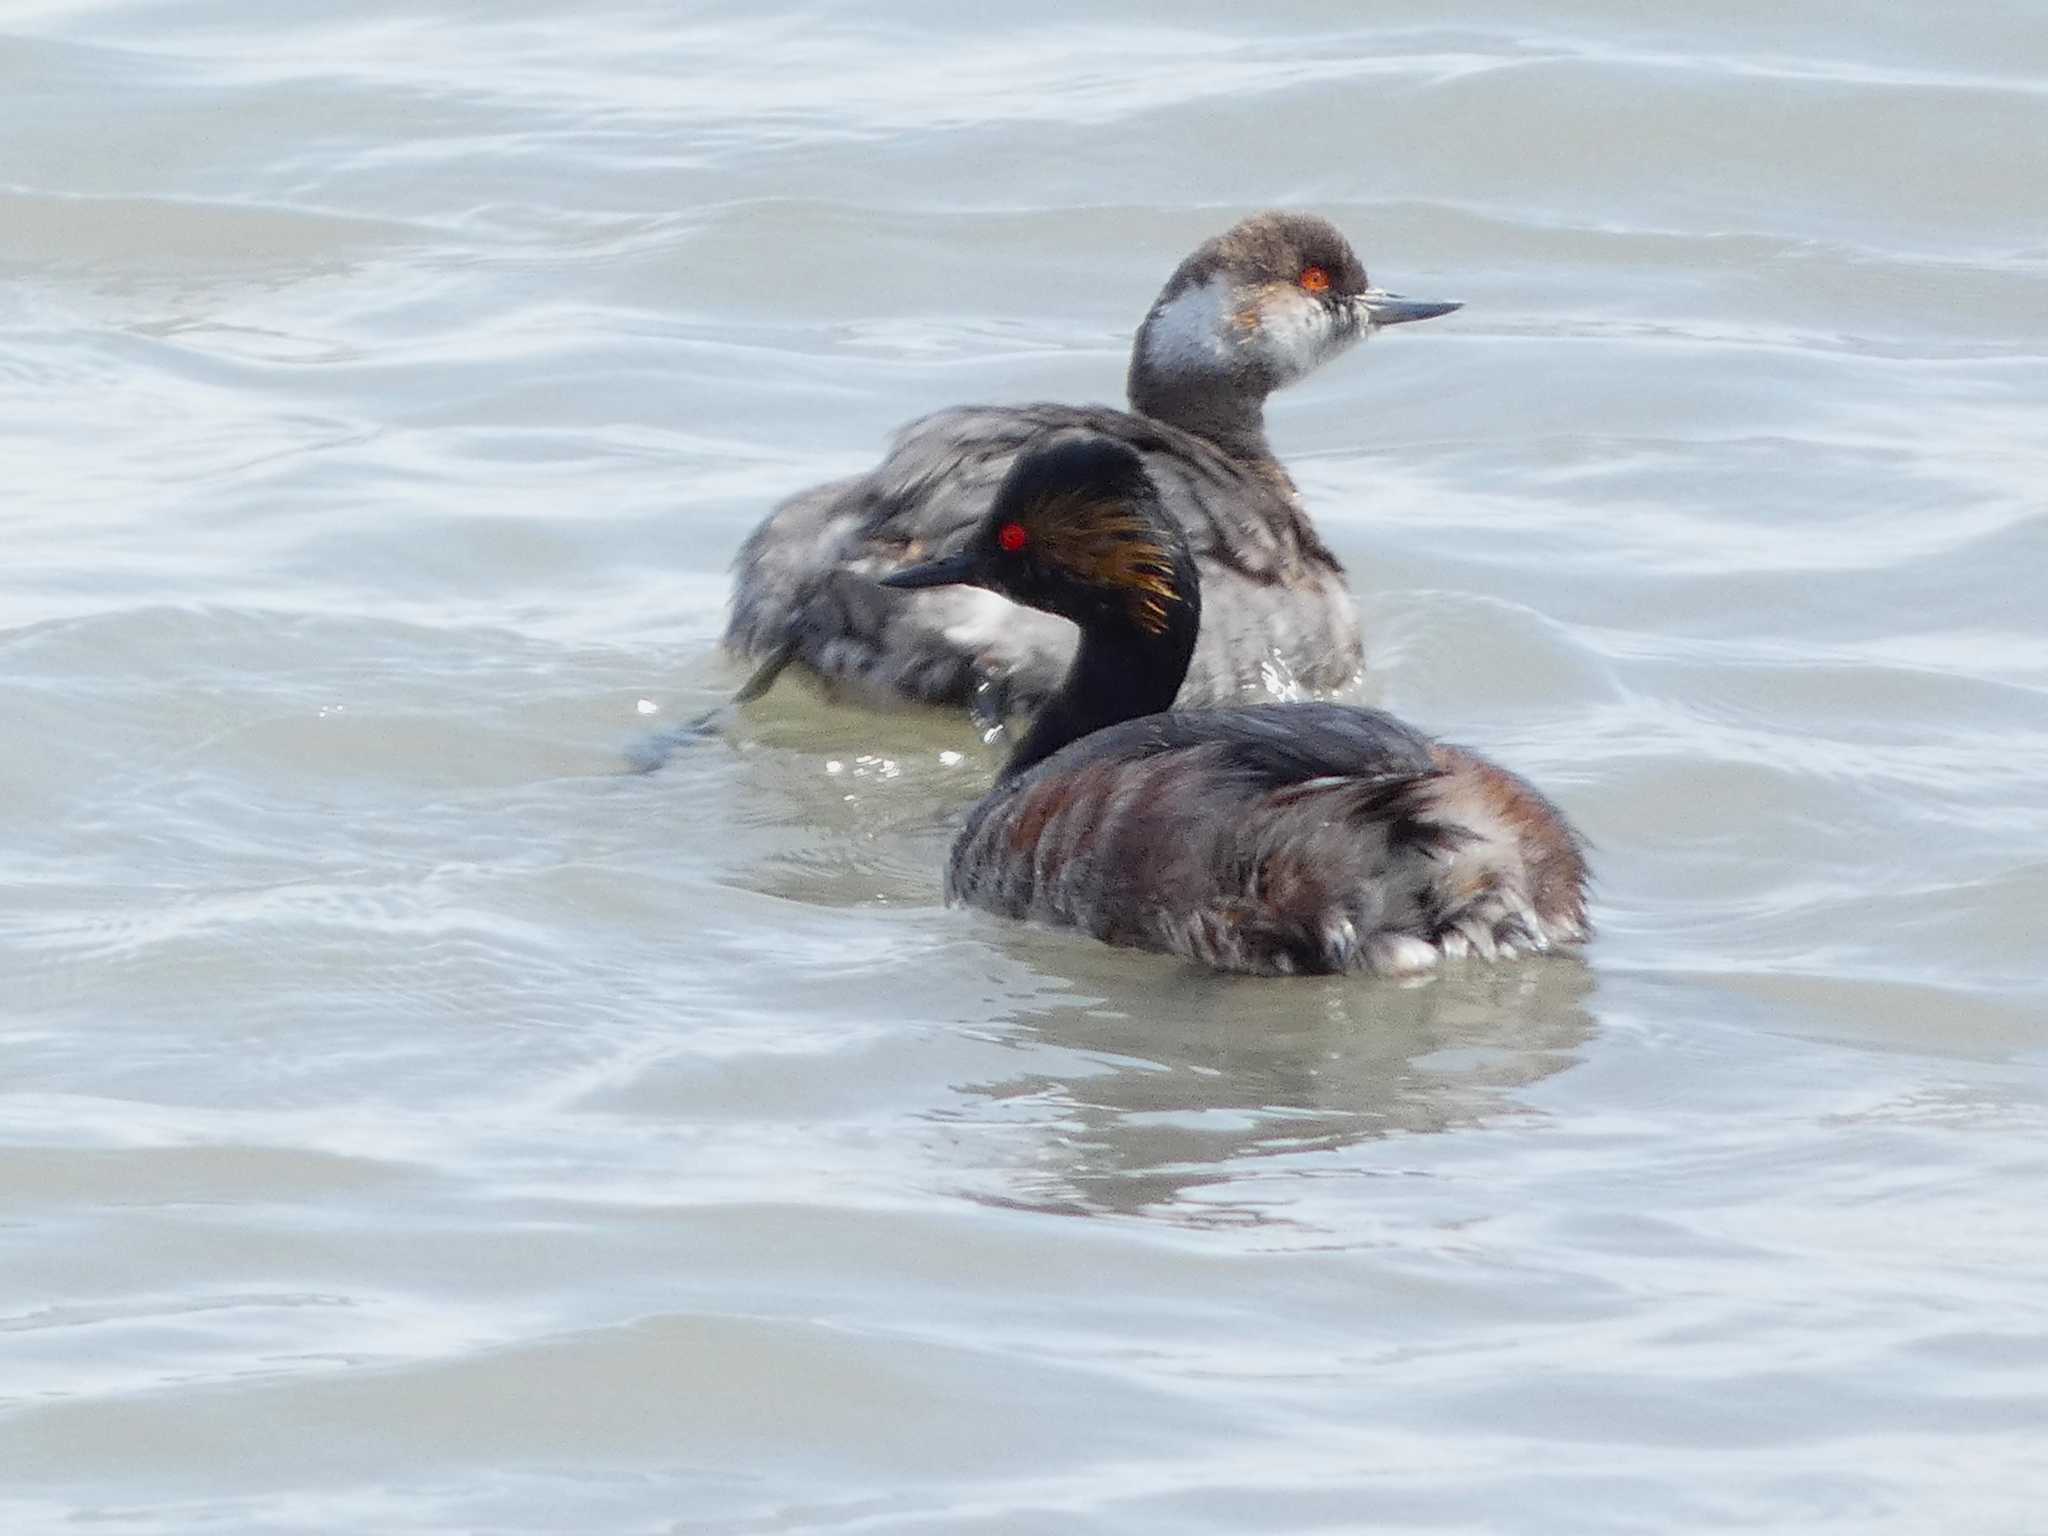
pixel 411 1122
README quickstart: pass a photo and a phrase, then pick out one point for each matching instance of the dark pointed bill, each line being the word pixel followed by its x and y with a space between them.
pixel 1385 308
pixel 947 571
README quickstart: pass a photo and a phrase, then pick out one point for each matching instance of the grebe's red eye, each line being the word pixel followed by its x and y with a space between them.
pixel 1012 537
pixel 1315 280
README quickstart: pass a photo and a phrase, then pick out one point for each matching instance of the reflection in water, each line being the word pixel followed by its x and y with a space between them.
pixel 1140 1079
pixel 1212 1072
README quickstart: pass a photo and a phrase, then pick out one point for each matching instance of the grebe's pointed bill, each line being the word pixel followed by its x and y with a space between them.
pixel 948 571
pixel 1382 308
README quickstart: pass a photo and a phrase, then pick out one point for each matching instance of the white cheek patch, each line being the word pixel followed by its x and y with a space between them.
pixel 1298 335
pixel 1191 332
pixel 1198 332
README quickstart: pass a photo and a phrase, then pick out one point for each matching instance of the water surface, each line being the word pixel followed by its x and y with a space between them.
pixel 410 1122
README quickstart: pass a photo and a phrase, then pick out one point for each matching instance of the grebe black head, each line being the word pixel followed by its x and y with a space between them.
pixel 1076 530
pixel 1265 302
pixel 1269 839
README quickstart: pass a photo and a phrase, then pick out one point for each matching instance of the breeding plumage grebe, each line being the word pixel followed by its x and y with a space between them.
pixel 1250 311
pixel 1270 838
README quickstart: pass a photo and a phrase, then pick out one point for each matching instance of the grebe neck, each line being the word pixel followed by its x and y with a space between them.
pixel 1120 671
pixel 1204 406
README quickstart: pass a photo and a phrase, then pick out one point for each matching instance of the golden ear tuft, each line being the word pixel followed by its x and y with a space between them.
pixel 1106 544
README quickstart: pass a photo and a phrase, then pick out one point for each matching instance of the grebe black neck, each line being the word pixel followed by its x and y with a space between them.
pixel 1123 668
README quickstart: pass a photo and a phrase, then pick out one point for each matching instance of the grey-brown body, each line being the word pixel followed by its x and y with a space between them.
pixel 1280 616
pixel 1234 323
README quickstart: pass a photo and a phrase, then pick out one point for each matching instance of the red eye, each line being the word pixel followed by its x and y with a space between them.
pixel 1012 537
pixel 1315 280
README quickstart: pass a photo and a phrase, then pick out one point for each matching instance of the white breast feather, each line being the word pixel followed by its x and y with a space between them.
pixel 978 620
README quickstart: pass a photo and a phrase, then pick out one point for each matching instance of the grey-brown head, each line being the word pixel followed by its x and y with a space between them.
pixel 1262 304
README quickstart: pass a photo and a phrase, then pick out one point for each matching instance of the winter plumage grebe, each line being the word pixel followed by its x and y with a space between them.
pixel 1270 838
pixel 1250 311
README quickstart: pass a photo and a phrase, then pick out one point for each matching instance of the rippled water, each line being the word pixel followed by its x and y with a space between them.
pixel 411 1123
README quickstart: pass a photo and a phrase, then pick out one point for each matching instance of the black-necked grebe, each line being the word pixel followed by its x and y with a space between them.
pixel 1270 838
pixel 1250 311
